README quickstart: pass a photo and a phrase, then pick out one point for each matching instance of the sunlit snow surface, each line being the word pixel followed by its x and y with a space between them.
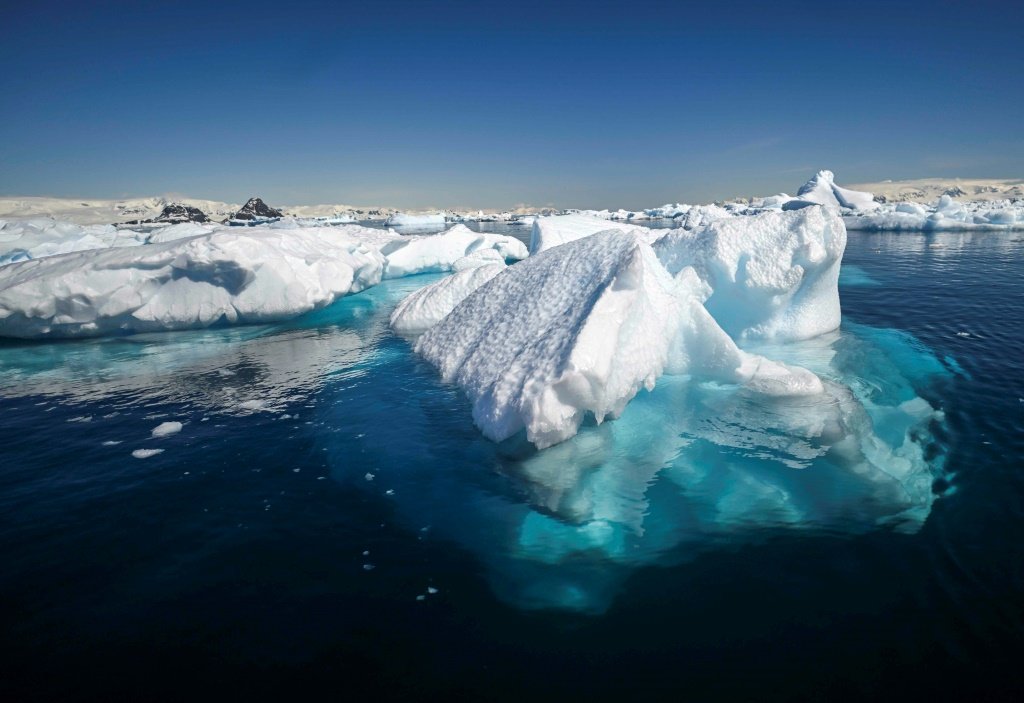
pixel 687 468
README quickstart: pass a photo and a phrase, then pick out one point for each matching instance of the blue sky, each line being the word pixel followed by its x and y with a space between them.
pixel 492 104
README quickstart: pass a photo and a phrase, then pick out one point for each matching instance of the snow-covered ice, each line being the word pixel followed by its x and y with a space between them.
pixel 772 275
pixel 145 453
pixel 239 276
pixel 579 329
pixel 166 428
pixel 429 305
pixel 551 231
pixel 403 219
pixel 439 252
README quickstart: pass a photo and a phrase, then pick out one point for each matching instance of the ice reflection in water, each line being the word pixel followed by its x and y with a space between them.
pixel 687 467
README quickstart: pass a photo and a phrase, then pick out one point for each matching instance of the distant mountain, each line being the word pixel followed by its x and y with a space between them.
pixel 256 209
pixel 174 214
pixel 928 190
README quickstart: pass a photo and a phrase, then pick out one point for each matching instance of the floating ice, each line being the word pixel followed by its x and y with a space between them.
pixel 402 219
pixel 145 453
pixel 439 252
pixel 822 190
pixel 239 276
pixel 772 275
pixel 428 306
pixel 21 240
pixel 551 231
pixel 166 428
pixel 579 329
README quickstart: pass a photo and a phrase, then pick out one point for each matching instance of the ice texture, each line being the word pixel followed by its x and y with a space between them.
pixel 431 304
pixel 239 276
pixel 822 190
pixel 578 330
pixel 21 240
pixel 439 252
pixel 774 275
pixel 402 219
pixel 551 231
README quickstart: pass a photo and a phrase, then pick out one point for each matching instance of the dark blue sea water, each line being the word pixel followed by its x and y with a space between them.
pixel 329 520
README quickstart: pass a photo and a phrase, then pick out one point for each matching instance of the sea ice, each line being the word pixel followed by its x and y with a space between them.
pixel 145 453
pixel 402 219
pixel 771 275
pixel 439 252
pixel 166 428
pixel 239 276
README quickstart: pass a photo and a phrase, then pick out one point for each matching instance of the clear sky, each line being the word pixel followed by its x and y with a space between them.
pixel 490 104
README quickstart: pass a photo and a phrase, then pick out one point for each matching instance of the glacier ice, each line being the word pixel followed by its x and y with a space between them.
pixel 228 276
pixel 408 255
pixel 771 275
pixel 402 219
pixel 822 190
pixel 431 304
pixel 558 229
pixel 577 330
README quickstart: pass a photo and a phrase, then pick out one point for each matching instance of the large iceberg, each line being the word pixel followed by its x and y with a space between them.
pixel 577 331
pixel 774 275
pixel 258 275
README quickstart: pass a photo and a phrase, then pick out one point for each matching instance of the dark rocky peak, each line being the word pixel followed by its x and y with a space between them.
pixel 174 214
pixel 256 209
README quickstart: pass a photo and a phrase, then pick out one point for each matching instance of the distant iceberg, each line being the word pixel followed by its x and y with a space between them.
pixel 403 219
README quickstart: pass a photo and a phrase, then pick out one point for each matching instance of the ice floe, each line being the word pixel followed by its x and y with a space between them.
pixel 241 276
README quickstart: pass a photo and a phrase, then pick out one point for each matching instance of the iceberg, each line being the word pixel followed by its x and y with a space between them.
pixel 558 229
pixel 408 255
pixel 259 275
pixel 431 304
pixel 21 240
pixel 774 275
pixel 577 331
pixel 822 190
pixel 402 219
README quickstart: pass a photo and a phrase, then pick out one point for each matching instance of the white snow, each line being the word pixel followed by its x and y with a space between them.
pixel 403 219
pixel 429 305
pixel 439 252
pixel 232 276
pixel 774 275
pixel 551 231
pixel 145 453
pixel 166 428
pixel 579 329
pixel 822 190
pixel 28 239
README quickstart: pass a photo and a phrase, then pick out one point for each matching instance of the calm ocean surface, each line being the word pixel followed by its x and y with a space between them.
pixel 329 516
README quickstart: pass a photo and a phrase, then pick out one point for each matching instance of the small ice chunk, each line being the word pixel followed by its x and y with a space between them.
pixel 145 453
pixel 166 428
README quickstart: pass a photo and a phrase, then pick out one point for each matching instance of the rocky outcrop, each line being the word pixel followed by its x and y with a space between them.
pixel 256 209
pixel 174 214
